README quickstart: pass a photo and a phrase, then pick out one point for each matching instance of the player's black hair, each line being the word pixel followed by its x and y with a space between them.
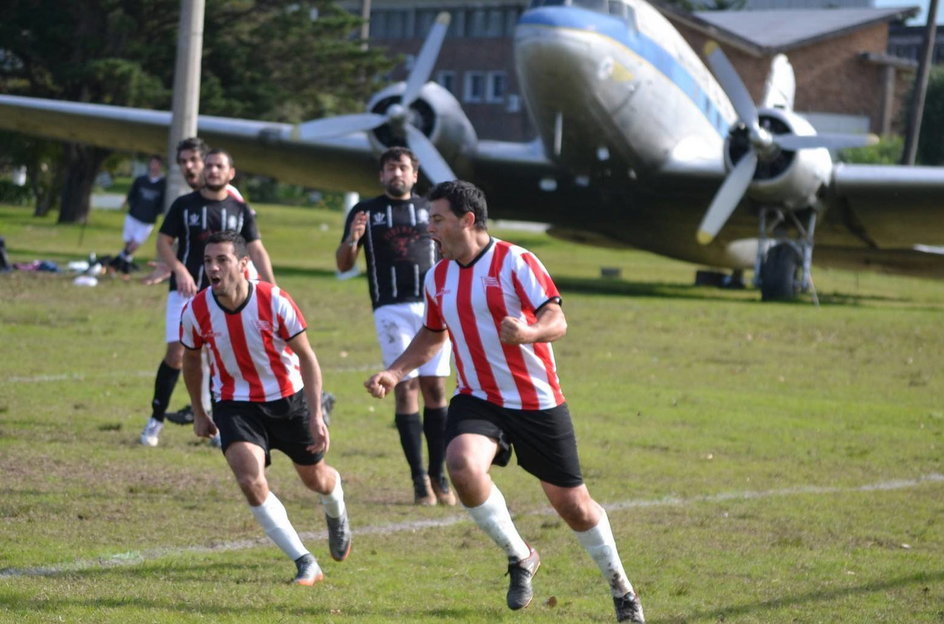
pixel 195 144
pixel 463 197
pixel 395 153
pixel 230 236
pixel 217 150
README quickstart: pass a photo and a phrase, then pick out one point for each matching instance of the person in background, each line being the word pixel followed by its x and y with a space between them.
pixel 145 203
pixel 188 223
pixel 391 228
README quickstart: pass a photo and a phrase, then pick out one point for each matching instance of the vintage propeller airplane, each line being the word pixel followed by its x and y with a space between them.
pixel 638 144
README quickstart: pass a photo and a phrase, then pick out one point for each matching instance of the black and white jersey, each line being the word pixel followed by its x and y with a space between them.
pixel 398 248
pixel 146 198
pixel 192 218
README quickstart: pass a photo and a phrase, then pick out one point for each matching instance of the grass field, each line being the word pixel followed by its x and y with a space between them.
pixel 760 462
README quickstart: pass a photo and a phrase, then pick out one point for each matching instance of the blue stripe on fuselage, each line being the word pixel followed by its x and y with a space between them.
pixel 617 29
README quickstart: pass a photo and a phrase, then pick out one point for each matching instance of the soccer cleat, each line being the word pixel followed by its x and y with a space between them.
pixel 520 591
pixel 309 572
pixel 339 536
pixel 628 609
pixel 443 494
pixel 423 492
pixel 151 433
pixel 327 404
pixel 184 416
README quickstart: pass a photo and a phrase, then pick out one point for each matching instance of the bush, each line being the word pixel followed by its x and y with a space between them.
pixel 10 193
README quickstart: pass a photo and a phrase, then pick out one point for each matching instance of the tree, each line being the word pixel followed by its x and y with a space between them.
pixel 265 59
pixel 930 145
pixel 108 51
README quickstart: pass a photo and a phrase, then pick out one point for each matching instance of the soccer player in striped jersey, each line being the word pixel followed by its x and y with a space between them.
pixel 501 309
pixel 266 393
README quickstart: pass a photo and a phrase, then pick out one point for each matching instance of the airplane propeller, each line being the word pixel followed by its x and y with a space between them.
pixel 399 115
pixel 762 145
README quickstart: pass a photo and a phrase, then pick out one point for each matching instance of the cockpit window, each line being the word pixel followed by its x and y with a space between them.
pixel 594 5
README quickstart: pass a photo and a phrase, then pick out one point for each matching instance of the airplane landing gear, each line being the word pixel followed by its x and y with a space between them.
pixel 782 267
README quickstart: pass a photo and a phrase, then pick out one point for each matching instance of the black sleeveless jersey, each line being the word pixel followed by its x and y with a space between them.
pixel 398 248
pixel 192 218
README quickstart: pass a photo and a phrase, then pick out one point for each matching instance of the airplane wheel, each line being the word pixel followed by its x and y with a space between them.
pixel 779 273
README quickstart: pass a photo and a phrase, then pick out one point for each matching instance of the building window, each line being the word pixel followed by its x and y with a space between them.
pixel 447 80
pixel 389 24
pixel 495 87
pixel 474 87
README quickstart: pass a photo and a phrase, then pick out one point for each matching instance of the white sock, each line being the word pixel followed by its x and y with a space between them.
pixel 601 546
pixel 492 517
pixel 272 516
pixel 334 502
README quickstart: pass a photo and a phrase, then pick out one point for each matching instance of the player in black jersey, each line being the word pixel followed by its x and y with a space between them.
pixel 189 222
pixel 391 229
pixel 145 203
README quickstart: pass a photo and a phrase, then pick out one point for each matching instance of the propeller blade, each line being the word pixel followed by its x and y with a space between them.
pixel 727 198
pixel 793 142
pixel 423 67
pixel 431 162
pixel 337 126
pixel 731 83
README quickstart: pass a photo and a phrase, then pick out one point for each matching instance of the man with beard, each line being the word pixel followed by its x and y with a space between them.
pixel 189 221
pixel 266 387
pixel 392 230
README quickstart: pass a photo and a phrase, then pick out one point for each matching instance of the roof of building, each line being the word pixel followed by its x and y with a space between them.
pixel 767 32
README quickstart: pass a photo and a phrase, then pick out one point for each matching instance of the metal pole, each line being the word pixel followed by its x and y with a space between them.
pixel 365 27
pixel 186 101
pixel 910 151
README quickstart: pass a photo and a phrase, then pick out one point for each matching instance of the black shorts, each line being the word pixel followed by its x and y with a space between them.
pixel 280 424
pixel 543 440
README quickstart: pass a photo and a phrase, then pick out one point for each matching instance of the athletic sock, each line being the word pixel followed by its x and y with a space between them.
pixel 273 518
pixel 163 389
pixel 434 427
pixel 601 546
pixel 334 502
pixel 411 439
pixel 493 517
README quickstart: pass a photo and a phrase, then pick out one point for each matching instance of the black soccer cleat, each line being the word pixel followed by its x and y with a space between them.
pixel 628 608
pixel 184 416
pixel 520 591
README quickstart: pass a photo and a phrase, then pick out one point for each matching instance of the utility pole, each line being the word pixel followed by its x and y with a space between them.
pixel 186 99
pixel 910 151
pixel 365 27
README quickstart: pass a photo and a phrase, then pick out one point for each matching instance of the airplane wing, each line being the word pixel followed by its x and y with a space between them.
pixel 889 206
pixel 265 148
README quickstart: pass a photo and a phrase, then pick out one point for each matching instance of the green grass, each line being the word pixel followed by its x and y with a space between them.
pixel 737 443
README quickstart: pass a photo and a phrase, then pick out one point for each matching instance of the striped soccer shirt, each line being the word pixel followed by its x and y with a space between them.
pixel 471 301
pixel 250 360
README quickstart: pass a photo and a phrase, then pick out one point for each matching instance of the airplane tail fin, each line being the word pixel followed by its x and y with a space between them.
pixel 780 85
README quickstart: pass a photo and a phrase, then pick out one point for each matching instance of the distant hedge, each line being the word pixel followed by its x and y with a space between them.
pixel 10 193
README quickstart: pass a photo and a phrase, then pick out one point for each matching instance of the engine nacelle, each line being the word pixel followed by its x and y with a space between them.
pixel 789 178
pixel 436 113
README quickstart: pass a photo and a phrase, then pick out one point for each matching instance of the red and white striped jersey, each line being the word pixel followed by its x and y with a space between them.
pixel 250 360
pixel 471 301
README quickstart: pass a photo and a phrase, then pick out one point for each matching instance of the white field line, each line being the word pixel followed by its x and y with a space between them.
pixel 77 377
pixel 140 556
